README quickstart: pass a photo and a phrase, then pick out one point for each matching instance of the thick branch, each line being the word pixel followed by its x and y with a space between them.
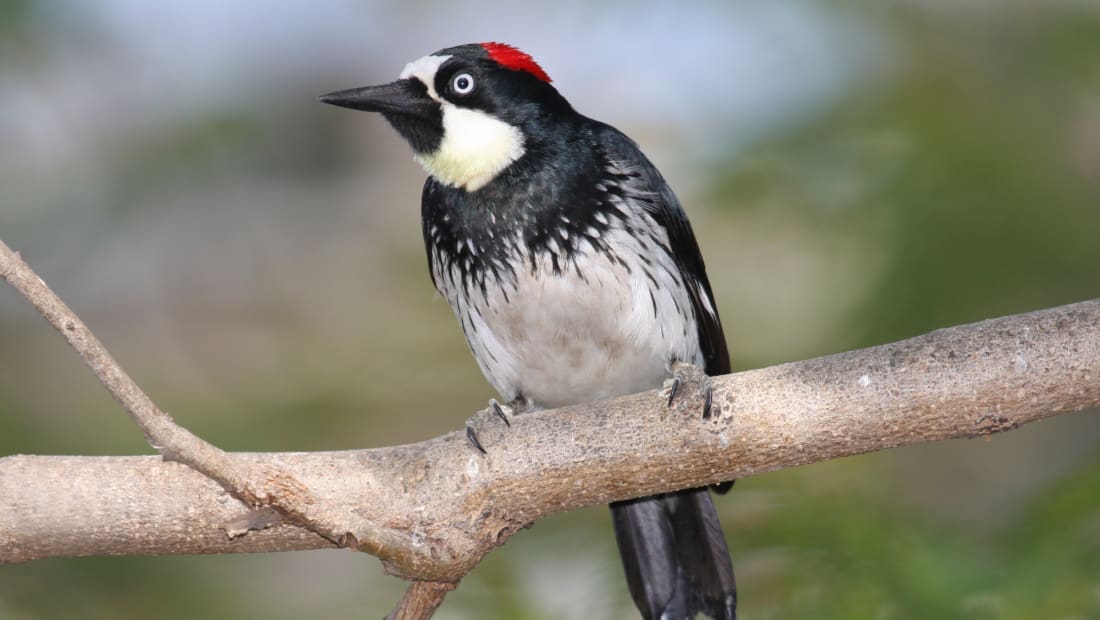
pixel 446 505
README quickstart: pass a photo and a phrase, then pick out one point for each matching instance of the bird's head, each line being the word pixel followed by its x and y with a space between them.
pixel 469 112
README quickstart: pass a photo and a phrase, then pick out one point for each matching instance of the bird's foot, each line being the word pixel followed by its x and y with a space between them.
pixel 684 374
pixel 490 414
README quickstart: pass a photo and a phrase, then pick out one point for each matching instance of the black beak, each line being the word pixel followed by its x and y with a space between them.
pixel 408 96
pixel 405 104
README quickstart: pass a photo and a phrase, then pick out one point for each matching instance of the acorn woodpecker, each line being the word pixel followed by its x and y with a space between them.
pixel 574 273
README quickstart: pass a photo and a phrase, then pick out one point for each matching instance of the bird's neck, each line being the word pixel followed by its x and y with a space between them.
pixel 544 184
pixel 553 202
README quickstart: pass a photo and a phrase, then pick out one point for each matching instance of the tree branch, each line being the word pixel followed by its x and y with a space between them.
pixel 266 484
pixel 432 510
pixel 421 600
pixel 446 505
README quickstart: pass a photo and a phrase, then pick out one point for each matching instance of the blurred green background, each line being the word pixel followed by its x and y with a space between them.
pixel 857 173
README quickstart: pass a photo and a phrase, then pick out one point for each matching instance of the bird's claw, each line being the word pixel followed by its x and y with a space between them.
pixel 708 399
pixel 471 436
pixel 682 373
pixel 499 410
pixel 495 409
pixel 674 386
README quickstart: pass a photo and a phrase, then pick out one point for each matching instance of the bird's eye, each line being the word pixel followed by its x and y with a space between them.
pixel 463 84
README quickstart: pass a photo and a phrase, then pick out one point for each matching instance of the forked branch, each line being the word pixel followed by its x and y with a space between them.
pixel 432 510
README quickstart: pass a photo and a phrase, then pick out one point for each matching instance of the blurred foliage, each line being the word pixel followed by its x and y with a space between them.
pixel 975 167
pixel 959 183
pixel 852 555
pixel 14 15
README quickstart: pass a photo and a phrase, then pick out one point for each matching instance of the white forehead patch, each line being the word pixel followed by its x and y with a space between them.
pixel 424 69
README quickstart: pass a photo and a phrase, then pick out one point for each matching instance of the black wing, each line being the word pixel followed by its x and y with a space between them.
pixel 429 207
pixel 665 209
pixel 673 549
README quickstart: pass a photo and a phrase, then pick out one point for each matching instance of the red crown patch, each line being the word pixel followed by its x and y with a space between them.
pixel 512 58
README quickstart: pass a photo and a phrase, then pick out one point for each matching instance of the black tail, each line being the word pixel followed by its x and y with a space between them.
pixel 675 556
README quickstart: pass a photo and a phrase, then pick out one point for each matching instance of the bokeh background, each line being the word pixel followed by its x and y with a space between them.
pixel 857 172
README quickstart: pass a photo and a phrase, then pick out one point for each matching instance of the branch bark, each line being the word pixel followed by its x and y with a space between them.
pixel 446 505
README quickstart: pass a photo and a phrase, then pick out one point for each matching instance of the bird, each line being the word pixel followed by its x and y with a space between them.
pixel 574 273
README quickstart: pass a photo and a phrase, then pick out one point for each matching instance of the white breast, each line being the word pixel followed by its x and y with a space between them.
pixel 599 328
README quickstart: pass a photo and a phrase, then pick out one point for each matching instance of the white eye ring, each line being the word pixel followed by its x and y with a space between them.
pixel 463 84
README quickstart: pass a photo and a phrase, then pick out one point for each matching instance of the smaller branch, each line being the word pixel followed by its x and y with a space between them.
pixel 158 427
pixel 421 600
pixel 265 485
